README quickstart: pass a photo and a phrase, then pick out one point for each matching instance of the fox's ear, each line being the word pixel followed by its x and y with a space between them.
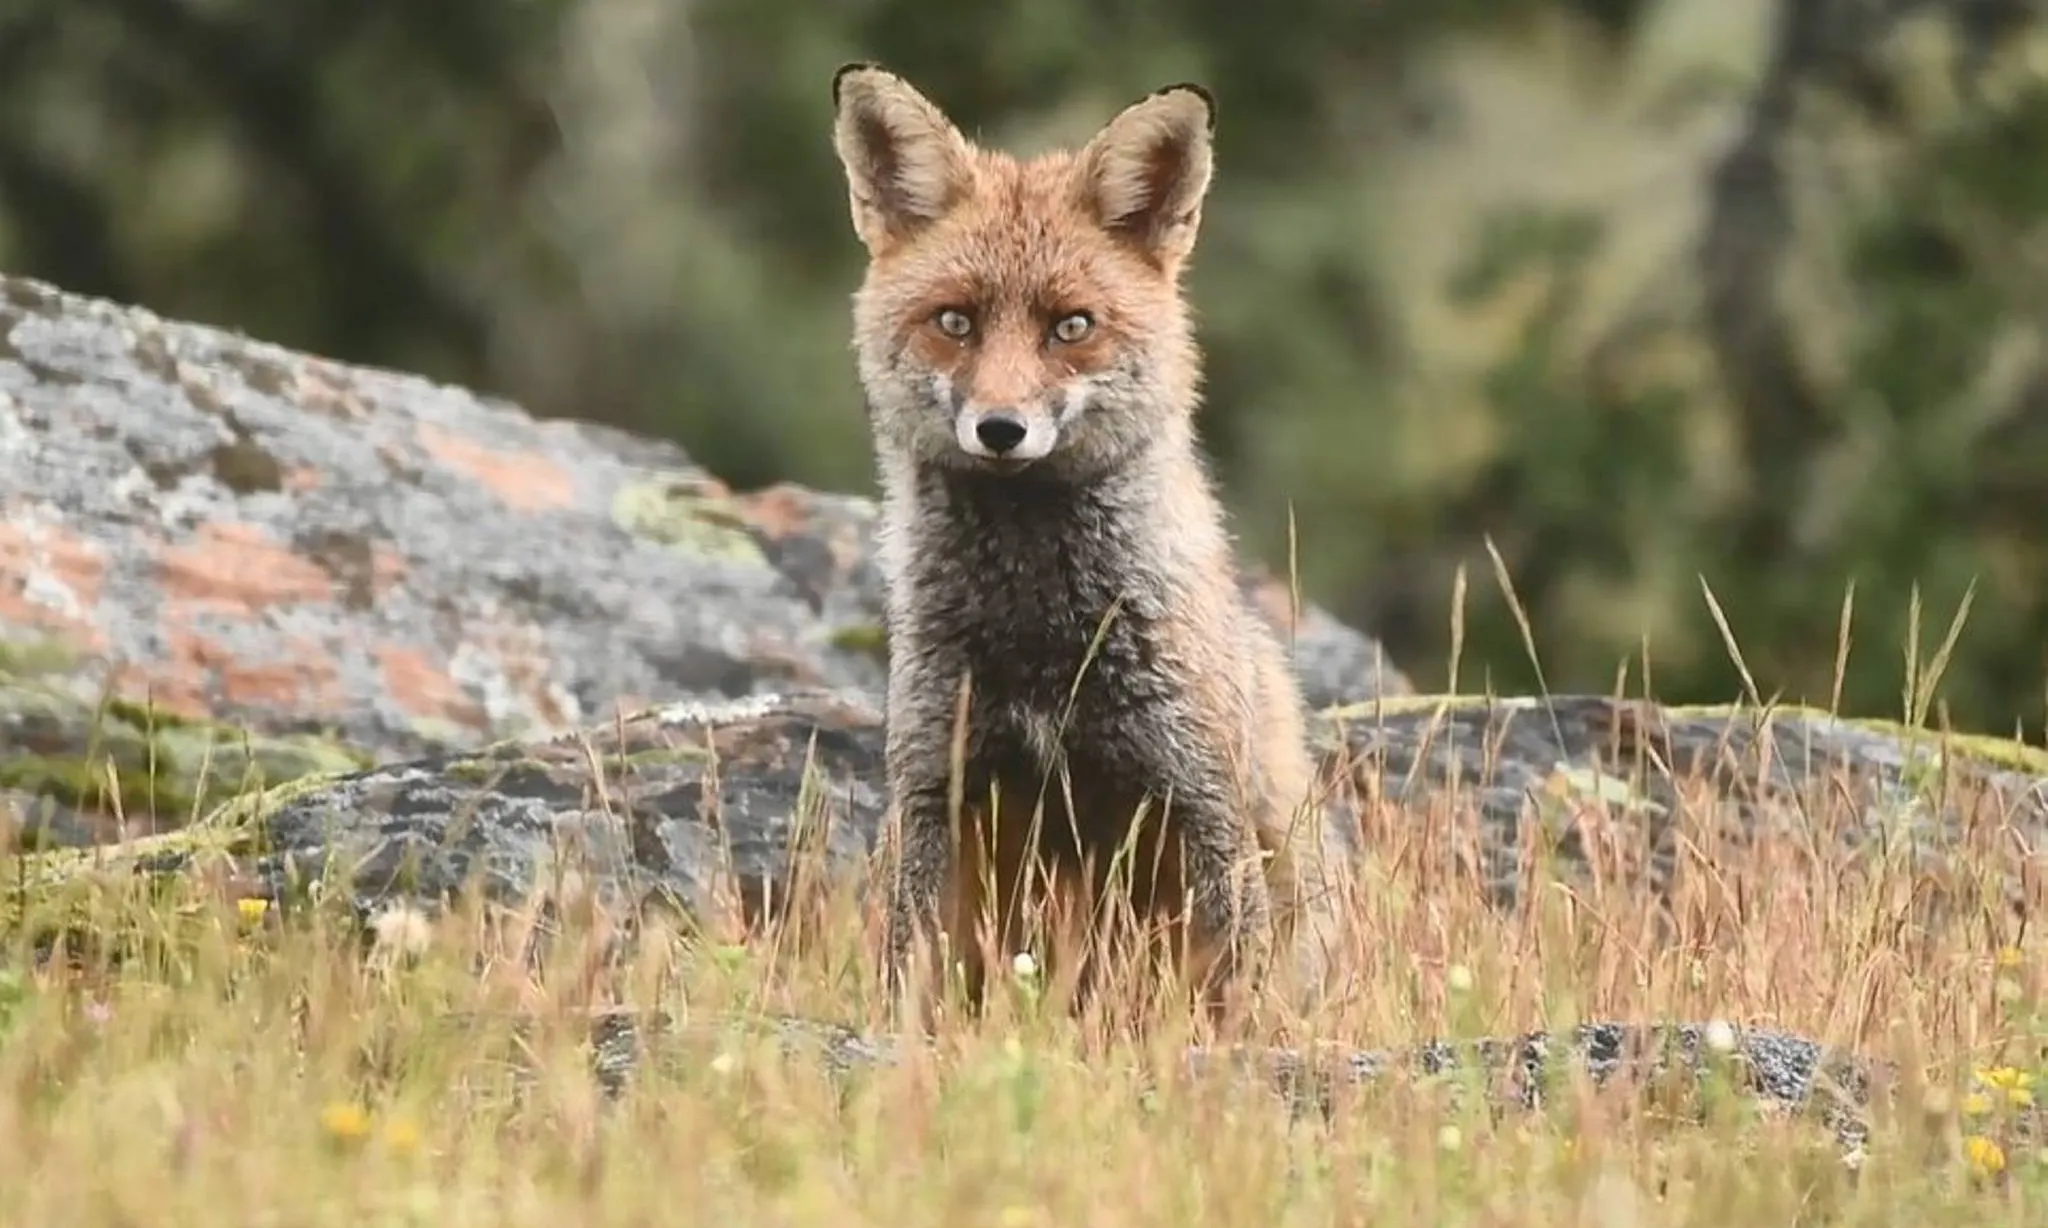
pixel 1146 173
pixel 906 164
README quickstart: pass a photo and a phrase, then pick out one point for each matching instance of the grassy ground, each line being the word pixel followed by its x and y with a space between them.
pixel 208 1061
pixel 234 1068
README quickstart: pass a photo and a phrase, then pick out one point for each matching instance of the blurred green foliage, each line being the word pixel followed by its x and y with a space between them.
pixel 1643 294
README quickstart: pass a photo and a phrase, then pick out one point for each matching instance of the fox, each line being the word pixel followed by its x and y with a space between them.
pixel 1074 674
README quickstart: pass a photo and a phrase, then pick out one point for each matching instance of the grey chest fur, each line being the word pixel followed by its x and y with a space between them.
pixel 1044 594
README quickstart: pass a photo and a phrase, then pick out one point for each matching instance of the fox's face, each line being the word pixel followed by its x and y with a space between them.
pixel 1022 313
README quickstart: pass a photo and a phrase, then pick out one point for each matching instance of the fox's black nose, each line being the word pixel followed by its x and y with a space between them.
pixel 999 432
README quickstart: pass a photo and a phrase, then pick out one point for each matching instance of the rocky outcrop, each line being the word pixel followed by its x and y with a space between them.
pixel 225 538
pixel 718 808
pixel 346 626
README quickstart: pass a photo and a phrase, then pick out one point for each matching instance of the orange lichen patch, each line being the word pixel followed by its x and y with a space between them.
pixel 323 388
pixel 521 653
pixel 50 580
pixel 300 679
pixel 423 689
pixel 307 687
pixel 231 566
pixel 198 675
pixel 387 568
pixel 785 510
pixel 528 481
pixel 780 511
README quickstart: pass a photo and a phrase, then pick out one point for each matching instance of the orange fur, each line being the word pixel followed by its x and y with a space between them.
pixel 1045 293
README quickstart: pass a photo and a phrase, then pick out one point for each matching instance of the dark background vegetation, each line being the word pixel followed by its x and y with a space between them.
pixel 1749 291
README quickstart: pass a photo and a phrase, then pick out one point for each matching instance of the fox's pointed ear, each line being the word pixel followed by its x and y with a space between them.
pixel 906 164
pixel 1146 173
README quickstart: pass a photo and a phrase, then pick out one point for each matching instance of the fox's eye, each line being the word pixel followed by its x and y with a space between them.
pixel 954 323
pixel 1071 328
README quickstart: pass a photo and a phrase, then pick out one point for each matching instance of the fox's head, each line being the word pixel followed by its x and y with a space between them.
pixel 1023 312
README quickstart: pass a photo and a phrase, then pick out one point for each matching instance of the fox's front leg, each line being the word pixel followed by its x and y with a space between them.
pixel 1230 909
pixel 924 860
pixel 919 757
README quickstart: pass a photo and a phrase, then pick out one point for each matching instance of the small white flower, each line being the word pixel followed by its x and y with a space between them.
pixel 1023 965
pixel 402 930
pixel 1719 1036
pixel 724 1064
pixel 1458 978
pixel 1450 1138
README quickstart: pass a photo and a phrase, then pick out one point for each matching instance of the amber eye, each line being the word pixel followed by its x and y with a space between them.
pixel 1071 328
pixel 954 323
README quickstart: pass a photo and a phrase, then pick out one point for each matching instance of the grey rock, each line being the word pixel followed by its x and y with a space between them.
pixel 639 806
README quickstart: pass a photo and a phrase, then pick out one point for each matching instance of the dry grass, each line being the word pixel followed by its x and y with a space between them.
pixel 237 1066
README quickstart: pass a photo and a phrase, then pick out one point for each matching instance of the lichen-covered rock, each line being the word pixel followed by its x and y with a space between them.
pixel 357 562
pixel 260 536
pixel 725 809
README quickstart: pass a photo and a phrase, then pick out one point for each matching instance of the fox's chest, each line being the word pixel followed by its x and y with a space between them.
pixel 1078 695
pixel 1044 597
pixel 1037 640
pixel 1044 631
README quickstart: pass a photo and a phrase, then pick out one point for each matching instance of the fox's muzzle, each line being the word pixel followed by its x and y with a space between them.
pixel 1005 434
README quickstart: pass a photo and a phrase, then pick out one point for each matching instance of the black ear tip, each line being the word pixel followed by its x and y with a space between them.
pixel 1199 91
pixel 847 70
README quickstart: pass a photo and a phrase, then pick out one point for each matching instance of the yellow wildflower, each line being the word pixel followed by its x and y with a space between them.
pixel 1976 1104
pixel 2008 957
pixel 251 910
pixel 2005 1078
pixel 401 1136
pixel 1987 1157
pixel 349 1122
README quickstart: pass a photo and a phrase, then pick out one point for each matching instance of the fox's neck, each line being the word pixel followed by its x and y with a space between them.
pixel 1124 497
pixel 1153 515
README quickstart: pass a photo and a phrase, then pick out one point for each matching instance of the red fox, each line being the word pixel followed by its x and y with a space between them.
pixel 1074 675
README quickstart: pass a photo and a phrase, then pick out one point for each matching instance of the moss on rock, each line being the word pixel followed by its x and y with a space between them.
pixel 109 755
pixel 681 510
pixel 869 638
